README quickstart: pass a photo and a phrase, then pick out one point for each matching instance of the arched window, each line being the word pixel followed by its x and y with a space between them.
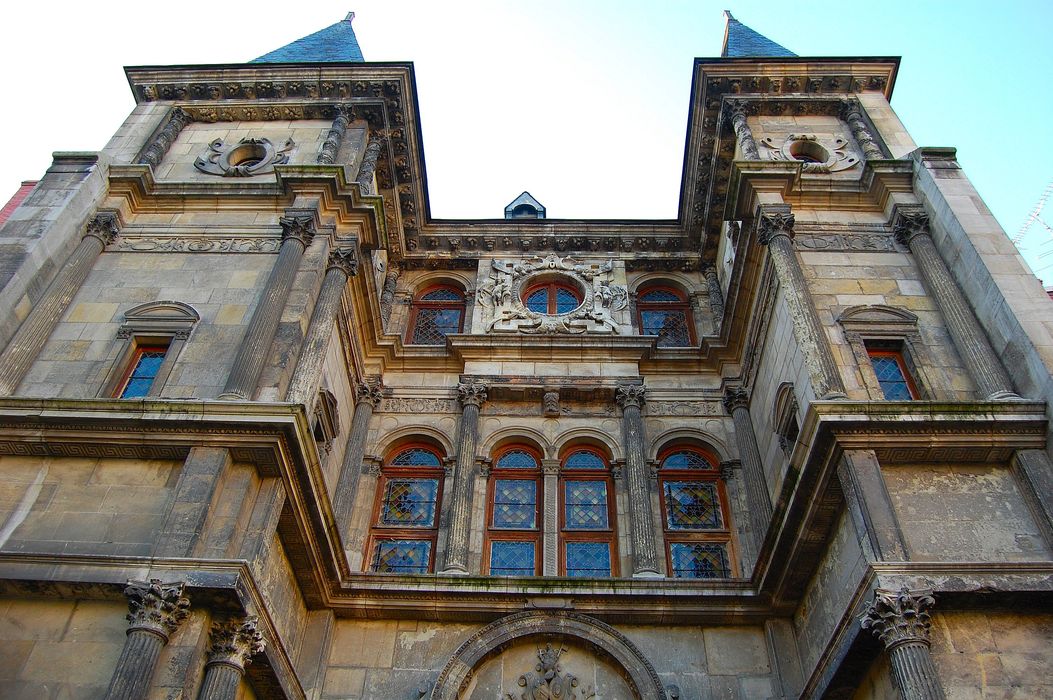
pixel 586 515
pixel 406 514
pixel 436 313
pixel 694 514
pixel 513 514
pixel 665 312
pixel 552 297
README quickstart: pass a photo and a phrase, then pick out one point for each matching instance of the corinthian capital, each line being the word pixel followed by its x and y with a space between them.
pixel 630 395
pixel 370 391
pixel 300 226
pixel 345 260
pixel 472 393
pixel 234 642
pixel 105 226
pixel 774 221
pixel 910 222
pixel 156 607
pixel 735 397
pixel 899 617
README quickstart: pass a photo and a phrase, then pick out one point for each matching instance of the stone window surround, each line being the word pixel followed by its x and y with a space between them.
pixel 784 418
pixel 167 323
pixel 886 328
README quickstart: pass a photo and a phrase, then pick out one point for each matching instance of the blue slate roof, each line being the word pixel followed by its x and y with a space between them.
pixel 334 44
pixel 741 41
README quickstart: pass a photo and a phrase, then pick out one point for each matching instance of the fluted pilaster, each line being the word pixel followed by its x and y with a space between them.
pixel 852 113
pixel 155 611
pixel 472 396
pixel 297 233
pixel 303 387
pixel 368 395
pixel 735 114
pixel 900 619
pixel 758 500
pixel 232 644
pixel 775 230
pixel 912 228
pixel 331 145
pixel 638 481
pixel 155 152
pixel 34 332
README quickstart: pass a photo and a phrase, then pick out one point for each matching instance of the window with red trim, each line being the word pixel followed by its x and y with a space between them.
pixel 436 312
pixel 665 312
pixel 513 513
pixel 694 514
pixel 406 512
pixel 142 371
pixel 895 378
pixel 552 297
pixel 587 525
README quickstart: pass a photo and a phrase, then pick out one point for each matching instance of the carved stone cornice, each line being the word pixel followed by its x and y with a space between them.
pixel 156 607
pixel 234 642
pixel 628 395
pixel 472 393
pixel 899 617
pixel 345 260
pixel 735 397
pixel 910 222
pixel 105 226
pixel 299 227
pixel 773 221
pixel 369 391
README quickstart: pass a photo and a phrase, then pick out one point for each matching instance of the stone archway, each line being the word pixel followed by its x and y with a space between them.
pixel 490 640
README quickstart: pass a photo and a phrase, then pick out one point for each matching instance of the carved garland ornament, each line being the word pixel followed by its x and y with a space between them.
pixel 602 311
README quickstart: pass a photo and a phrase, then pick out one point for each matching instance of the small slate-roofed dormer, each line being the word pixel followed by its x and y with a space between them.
pixel 741 41
pixel 525 207
pixel 334 44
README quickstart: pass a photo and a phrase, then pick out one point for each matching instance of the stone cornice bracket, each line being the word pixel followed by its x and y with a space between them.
pixel 472 393
pixel 735 116
pixel 909 222
pixel 774 220
pixel 234 642
pixel 370 390
pixel 156 607
pixel 628 395
pixel 345 260
pixel 155 152
pixel 300 227
pixel 852 114
pixel 327 153
pixel 899 617
pixel 105 225
pixel 735 397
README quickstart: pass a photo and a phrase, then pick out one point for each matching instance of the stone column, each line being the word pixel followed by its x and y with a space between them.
pixel 758 498
pixel 775 230
pixel 368 394
pixel 550 532
pixel 472 396
pixel 34 332
pixel 303 387
pixel 155 611
pixel 327 154
pixel 735 114
pixel 232 644
pixel 716 297
pixel 912 229
pixel 369 166
pixel 155 152
pixel 297 233
pixel 901 621
pixel 387 294
pixel 852 114
pixel 638 482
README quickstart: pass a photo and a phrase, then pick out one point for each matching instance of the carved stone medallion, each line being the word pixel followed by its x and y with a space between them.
pixel 548 681
pixel 817 155
pixel 245 158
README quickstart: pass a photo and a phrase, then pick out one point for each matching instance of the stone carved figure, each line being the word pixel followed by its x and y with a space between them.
pixel 547 682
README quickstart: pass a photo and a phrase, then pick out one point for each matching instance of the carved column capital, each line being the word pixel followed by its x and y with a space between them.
pixel 299 227
pixel 630 395
pixel 735 397
pixel 345 260
pixel 234 642
pixel 472 393
pixel 369 391
pixel 910 222
pixel 899 617
pixel 155 606
pixel 105 226
pixel 550 466
pixel 774 221
pixel 728 468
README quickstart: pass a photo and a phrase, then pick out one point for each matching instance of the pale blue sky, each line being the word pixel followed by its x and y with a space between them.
pixel 583 103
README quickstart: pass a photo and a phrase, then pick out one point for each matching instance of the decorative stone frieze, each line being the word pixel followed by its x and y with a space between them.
pixel 472 394
pixel 900 619
pixel 550 404
pixel 232 644
pixel 194 244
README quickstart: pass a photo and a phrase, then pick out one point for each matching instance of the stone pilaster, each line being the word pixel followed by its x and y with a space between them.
pixel 232 644
pixel 331 145
pixel 775 230
pixel 870 506
pixel 911 225
pixel 34 332
pixel 155 611
pixel 758 499
pixel 900 619
pixel 368 395
pixel 852 114
pixel 735 114
pixel 1034 474
pixel 155 152
pixel 303 387
pixel 369 166
pixel 550 534
pixel 472 396
pixel 297 233
pixel 387 294
pixel 638 482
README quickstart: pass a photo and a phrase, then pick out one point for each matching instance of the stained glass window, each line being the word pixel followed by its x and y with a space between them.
pixel 892 375
pixel 588 559
pixel 585 504
pixel 410 502
pixel 512 558
pixel 699 560
pixel 584 459
pixel 144 367
pixel 685 459
pixel 416 457
pixel 692 505
pixel 436 313
pixel 666 314
pixel 515 504
pixel 552 298
pixel 405 527
pixel 517 459
pixel 402 556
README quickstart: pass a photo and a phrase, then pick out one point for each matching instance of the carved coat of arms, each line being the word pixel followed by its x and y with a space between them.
pixel 548 682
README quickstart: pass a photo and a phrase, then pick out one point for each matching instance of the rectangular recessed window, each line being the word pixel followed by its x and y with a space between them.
pixel 893 375
pixel 692 505
pixel 515 504
pixel 142 371
pixel 512 558
pixel 699 560
pixel 402 556
pixel 588 558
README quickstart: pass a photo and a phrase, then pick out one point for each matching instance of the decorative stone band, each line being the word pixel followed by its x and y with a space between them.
pixel 156 607
pixel 735 116
pixel 234 642
pixel 472 393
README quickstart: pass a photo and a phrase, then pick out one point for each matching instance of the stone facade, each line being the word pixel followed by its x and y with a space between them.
pixel 268 430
